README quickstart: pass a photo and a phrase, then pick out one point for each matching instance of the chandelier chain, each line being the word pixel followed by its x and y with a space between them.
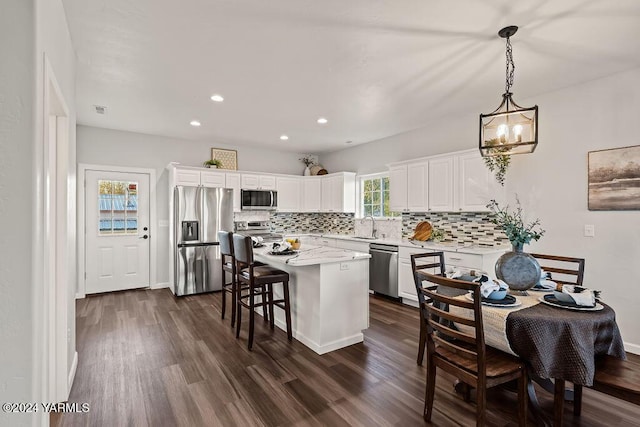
pixel 510 67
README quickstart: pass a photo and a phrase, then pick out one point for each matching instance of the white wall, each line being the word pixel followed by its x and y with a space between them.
pixel 117 148
pixel 552 182
pixel 54 41
pixel 28 30
pixel 17 109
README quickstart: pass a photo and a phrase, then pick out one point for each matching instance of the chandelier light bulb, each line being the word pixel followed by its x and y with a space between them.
pixel 502 133
pixel 517 131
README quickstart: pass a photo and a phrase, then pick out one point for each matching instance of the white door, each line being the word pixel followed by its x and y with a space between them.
pixel 116 231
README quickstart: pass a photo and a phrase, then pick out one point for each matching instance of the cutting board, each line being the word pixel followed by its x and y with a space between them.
pixel 422 232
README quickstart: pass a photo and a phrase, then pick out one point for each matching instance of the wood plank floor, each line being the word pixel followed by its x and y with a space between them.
pixel 147 358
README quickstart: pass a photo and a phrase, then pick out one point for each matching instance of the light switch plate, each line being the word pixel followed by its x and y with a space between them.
pixel 589 230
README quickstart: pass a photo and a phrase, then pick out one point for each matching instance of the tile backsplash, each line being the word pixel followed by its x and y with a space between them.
pixel 325 223
pixel 459 227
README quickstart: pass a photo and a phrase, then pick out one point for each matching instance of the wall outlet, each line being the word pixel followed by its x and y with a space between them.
pixel 589 230
pixel 344 266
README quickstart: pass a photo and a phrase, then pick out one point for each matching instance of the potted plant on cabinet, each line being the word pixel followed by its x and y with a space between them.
pixel 213 163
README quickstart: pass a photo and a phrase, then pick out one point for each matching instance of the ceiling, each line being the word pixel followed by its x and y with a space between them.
pixel 373 68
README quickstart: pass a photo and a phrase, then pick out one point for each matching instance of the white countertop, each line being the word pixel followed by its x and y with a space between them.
pixel 443 246
pixel 310 255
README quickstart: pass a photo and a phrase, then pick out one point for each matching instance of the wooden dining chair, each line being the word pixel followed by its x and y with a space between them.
pixel 259 281
pixel 464 354
pixel 433 262
pixel 564 270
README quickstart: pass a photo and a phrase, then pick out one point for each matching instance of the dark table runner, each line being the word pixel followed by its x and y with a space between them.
pixel 563 344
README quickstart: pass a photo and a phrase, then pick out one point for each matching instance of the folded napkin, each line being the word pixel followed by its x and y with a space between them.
pixel 281 246
pixel 488 285
pixel 548 285
pixel 582 296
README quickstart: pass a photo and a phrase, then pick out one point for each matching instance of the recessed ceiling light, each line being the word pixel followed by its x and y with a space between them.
pixel 194 123
pixel 284 137
pixel 322 121
pixel 348 142
pixel 217 98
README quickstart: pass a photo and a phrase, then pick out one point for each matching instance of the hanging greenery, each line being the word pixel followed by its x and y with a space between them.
pixel 498 164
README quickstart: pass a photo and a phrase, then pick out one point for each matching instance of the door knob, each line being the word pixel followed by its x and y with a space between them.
pixel 144 237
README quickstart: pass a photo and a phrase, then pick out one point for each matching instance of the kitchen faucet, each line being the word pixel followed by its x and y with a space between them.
pixel 373 225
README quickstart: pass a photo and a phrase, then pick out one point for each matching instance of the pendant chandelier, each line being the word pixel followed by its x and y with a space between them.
pixel 510 129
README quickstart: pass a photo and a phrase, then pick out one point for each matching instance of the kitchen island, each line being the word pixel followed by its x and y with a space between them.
pixel 329 291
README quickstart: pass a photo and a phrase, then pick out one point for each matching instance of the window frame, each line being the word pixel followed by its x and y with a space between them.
pixel 360 209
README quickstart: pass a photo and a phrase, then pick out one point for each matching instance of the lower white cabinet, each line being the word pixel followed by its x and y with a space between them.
pixel 453 260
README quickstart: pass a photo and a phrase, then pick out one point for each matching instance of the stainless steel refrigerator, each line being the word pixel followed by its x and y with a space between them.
pixel 200 212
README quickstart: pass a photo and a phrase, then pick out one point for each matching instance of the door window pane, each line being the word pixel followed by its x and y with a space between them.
pixel 118 207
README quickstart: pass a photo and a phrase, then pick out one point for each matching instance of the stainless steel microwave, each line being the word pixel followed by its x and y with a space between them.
pixel 259 200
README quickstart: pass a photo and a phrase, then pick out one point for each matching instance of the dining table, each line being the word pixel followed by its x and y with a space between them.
pixel 558 343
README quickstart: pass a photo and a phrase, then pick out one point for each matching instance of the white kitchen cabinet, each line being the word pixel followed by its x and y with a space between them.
pixel 476 184
pixel 289 193
pixel 233 182
pixel 440 183
pixel 186 177
pixel 193 177
pixel 338 192
pixel 465 261
pixel 311 194
pixel 398 188
pixel 212 179
pixel 258 182
pixel 418 187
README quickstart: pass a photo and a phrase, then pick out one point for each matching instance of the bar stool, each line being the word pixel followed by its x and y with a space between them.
pixel 228 264
pixel 259 280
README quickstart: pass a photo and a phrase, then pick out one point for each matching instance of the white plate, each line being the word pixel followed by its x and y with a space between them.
pixel 487 303
pixel 598 307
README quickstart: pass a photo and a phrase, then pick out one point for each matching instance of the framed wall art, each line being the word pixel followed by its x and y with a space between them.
pixel 229 158
pixel 614 179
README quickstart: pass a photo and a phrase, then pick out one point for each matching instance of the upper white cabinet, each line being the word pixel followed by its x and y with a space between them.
pixel 418 187
pixel 311 194
pixel 441 183
pixel 213 179
pixel 258 182
pixel 338 192
pixel 398 188
pixel 194 177
pixel 453 182
pixel 289 193
pixel 233 182
pixel 476 184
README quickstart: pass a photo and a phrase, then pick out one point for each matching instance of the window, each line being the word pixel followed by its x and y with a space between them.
pixel 118 203
pixel 374 196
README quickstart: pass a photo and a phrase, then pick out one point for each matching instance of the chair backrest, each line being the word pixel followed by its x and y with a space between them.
pixel 565 270
pixel 467 339
pixel 226 242
pixel 427 262
pixel 243 249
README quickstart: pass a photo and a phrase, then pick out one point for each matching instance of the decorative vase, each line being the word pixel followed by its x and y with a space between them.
pixel 518 269
pixel 307 171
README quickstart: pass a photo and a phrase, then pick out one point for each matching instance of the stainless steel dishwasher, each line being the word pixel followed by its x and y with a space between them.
pixel 383 269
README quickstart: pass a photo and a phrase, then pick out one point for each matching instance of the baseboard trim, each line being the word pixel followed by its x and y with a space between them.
pixel 632 348
pixel 80 296
pixel 72 373
pixel 160 285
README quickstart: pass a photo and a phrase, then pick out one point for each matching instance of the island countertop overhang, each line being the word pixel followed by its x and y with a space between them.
pixel 311 255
